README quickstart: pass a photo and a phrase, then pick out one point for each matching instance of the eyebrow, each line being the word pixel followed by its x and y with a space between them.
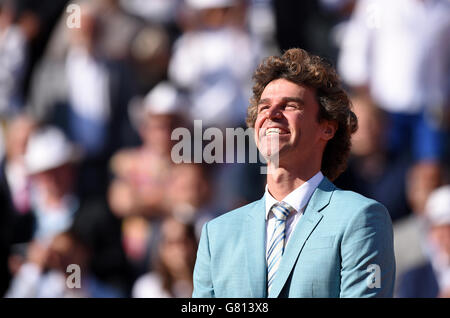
pixel 284 99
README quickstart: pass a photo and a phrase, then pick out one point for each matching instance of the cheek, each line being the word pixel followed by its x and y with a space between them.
pixel 258 123
pixel 309 129
pixel 260 118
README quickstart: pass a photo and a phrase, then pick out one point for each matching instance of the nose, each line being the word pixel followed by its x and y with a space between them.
pixel 274 112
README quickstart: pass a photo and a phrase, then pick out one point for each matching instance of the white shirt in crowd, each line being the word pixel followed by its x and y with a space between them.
pixel 150 285
pixel 215 66
pixel 396 48
pixel 88 82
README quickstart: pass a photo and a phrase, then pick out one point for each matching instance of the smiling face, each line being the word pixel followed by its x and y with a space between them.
pixel 288 115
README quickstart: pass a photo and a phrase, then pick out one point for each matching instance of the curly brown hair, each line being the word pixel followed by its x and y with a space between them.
pixel 303 68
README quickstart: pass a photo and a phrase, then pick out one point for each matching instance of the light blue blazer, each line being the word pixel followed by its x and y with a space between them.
pixel 341 247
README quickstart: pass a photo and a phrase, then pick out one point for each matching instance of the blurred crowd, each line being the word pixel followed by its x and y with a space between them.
pixel 90 92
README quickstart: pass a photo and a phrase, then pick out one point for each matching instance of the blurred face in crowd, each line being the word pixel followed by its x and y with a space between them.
pixel 55 183
pixel 289 112
pixel 84 35
pixel 366 140
pixel 177 248
pixel 188 185
pixel 156 132
pixel 6 15
pixel 423 178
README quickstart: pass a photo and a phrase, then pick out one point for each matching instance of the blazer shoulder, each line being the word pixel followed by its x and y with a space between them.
pixel 235 215
pixel 353 197
pixel 356 202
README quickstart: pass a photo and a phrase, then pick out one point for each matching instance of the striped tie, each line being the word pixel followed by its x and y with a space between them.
pixel 276 245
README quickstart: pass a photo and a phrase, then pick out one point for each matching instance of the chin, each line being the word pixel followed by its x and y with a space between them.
pixel 272 155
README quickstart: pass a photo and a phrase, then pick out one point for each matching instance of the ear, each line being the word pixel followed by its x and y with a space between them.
pixel 328 128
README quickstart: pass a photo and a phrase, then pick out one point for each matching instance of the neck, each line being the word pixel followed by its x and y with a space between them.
pixel 282 181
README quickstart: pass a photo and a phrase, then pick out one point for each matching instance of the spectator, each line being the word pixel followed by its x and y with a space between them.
pixel 205 62
pixel 49 160
pixel 56 206
pixel 17 29
pixel 190 193
pixel 15 214
pixel 432 278
pixel 174 267
pixel 84 84
pixel 15 172
pixel 409 245
pixel 16 217
pixel 141 175
pixel 373 170
pixel 95 94
pixel 45 273
pixel 394 53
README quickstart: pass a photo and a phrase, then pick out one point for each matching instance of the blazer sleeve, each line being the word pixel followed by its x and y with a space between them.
pixel 367 252
pixel 203 287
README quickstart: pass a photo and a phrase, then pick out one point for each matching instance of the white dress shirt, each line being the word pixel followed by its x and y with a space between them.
pixel 298 199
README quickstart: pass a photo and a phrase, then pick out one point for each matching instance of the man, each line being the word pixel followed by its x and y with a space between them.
pixel 305 237
pixel 52 161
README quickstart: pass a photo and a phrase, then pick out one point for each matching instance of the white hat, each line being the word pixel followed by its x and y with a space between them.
pixel 49 148
pixel 208 4
pixel 164 99
pixel 437 208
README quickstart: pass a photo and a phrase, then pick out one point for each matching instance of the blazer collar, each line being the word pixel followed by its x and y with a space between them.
pixel 255 240
pixel 307 224
pixel 255 251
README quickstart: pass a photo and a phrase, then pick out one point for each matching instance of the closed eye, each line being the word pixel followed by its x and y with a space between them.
pixel 262 107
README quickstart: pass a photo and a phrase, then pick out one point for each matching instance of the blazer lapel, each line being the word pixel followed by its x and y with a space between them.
pixel 311 217
pixel 255 252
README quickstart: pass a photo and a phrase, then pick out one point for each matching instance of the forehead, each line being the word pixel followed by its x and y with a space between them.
pixel 280 88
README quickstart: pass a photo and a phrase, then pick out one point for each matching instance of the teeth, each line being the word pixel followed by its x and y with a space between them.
pixel 271 131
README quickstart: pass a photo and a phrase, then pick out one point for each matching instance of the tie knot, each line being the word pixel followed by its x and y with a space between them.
pixel 281 210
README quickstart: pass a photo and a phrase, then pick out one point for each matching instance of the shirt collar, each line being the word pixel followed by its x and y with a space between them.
pixel 297 198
